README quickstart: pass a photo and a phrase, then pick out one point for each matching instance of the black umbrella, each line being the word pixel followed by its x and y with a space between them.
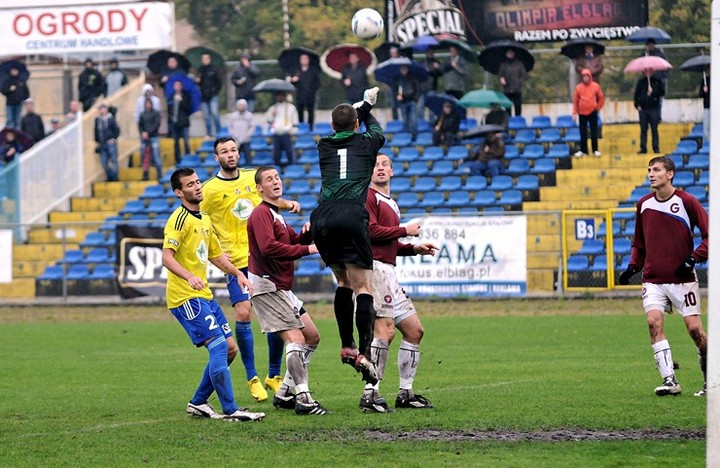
pixel 649 33
pixel 576 47
pixel 289 59
pixel 698 63
pixel 382 52
pixel 463 48
pixel 436 101
pixel 387 71
pixel 23 138
pixel 194 54
pixel 157 61
pixel 274 85
pixel 5 68
pixel 494 54
pixel 481 130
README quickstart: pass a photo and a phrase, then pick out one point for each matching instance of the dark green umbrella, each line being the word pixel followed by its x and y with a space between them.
pixel 485 98
pixel 463 48
pixel 194 53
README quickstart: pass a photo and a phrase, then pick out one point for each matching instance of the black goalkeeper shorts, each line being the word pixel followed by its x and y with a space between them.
pixel 340 232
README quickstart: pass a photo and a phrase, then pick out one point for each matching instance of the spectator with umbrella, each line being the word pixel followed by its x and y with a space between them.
pixel 652 36
pixel 305 76
pixel 106 134
pixel 489 158
pixel 587 54
pixel 241 126
pixel 648 91
pixel 446 126
pixel 406 89
pixel 243 77
pixel 13 141
pixel 354 78
pixel 701 63
pixel 13 84
pixel 511 62
pixel 165 63
pixel 179 108
pixel 455 70
pixel 349 63
pixel 91 85
pixel 434 71
pixel 209 79
pixel 32 123
pixel 497 116
pixel 283 120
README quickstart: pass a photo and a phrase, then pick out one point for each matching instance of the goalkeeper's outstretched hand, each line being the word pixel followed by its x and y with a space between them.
pixel 370 95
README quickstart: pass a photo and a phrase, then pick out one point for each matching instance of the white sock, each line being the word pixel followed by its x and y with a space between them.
pixel 379 356
pixel 408 360
pixel 663 358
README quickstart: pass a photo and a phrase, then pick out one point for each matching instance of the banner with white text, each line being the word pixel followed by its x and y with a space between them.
pixel 482 256
pixel 97 28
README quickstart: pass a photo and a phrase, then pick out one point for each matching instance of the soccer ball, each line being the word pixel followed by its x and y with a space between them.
pixel 367 23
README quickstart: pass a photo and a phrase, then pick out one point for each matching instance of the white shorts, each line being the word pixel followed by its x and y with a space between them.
pixel 278 311
pixel 685 297
pixel 389 298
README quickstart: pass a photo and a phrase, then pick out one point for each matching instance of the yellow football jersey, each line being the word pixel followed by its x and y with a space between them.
pixel 194 241
pixel 229 203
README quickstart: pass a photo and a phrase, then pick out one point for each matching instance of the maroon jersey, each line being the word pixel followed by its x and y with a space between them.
pixel 385 228
pixel 274 246
pixel 664 236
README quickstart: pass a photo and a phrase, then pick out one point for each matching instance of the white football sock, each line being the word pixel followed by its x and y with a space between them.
pixel 408 360
pixel 663 358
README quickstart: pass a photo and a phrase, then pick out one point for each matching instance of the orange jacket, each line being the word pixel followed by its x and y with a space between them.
pixel 588 96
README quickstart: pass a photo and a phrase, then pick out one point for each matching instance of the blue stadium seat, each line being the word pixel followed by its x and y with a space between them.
pixel 622 246
pixel 457 152
pixel 424 139
pixel 95 239
pixel 475 182
pixel 308 156
pixel 191 160
pixel 157 205
pixel 697 131
pixel 299 187
pixel 678 159
pixel 450 183
pixel 424 126
pixel 98 255
pixel 573 135
pixel 602 229
pixel 501 182
pixel 133 207
pixel 592 247
pixel 510 198
pixel 539 122
pixel 705 148
pixel 559 150
pixel 309 267
pixel 550 135
pixel 686 147
pixel 414 212
pixel 565 121
pixel 263 158
pixel 577 263
pixel 154 191
pixel 394 126
pixel 408 200
pixel 703 178
pixel 629 229
pixel 308 202
pixel 698 192
pixel 623 215
pixel 599 263
pixel 441 210
pixel 442 168
pixel 53 272
pixel 401 139
pixel 484 198
pixel 103 272
pixel 698 161
pixel 511 152
pixel 322 129
pixel 294 171
pixel 305 142
pixel 637 194
pixel 517 122
pixel 683 178
pixel 416 168
pixel 527 182
pixel 407 154
pixel 399 171
pixel 433 153
pixel 73 256
pixel 314 172
pixel 544 166
pixel 433 199
pixel 458 198
pixel 468 123
pixel 533 151
pixel 424 184
pixel 259 143
pixel 525 136
pixel 518 166
pixel 400 184
pixel 78 272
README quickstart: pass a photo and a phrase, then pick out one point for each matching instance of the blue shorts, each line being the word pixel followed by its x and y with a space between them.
pixel 202 320
pixel 234 289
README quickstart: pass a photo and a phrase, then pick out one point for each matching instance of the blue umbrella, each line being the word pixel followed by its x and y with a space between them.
pixel 189 85
pixel 387 71
pixel 435 102
pixel 647 33
pixel 423 43
pixel 6 66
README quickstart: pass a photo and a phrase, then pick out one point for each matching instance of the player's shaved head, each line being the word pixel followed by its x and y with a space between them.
pixel 344 117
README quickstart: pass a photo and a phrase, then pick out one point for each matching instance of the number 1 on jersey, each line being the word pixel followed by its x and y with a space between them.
pixel 342 153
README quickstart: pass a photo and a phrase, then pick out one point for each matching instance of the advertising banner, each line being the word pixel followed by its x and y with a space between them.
pixel 409 19
pixel 483 256
pixel 97 28
pixel 554 20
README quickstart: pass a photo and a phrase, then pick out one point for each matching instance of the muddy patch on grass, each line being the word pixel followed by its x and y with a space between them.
pixel 558 435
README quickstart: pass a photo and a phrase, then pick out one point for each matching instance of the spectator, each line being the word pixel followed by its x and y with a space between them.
pixel 446 126
pixel 456 70
pixel 497 115
pixel 406 89
pixel 115 78
pixel 172 66
pixel 589 60
pixel 283 119
pixel 149 128
pixel 91 85
pixel 55 125
pixel 241 127
pixel 178 108
pixel 587 102
pixel 210 81
pixel 73 113
pixel 16 91
pixel 148 92
pixel 307 82
pixel 32 123
pixel 106 134
pixel 394 104
pixel 488 159
pixel 434 69
pixel 512 75
pixel 651 49
pixel 705 95
pixel 243 77
pixel 648 91
pixel 354 79
pixel 11 147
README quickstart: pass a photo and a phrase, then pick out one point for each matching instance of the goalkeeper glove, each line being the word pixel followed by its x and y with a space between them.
pixel 686 268
pixel 627 274
pixel 370 95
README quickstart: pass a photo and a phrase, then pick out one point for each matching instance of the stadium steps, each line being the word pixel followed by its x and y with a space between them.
pixel 79 216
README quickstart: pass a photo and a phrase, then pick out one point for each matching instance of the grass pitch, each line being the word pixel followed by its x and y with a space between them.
pixel 514 383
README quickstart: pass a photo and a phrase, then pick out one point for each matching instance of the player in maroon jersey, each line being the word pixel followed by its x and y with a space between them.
pixel 663 249
pixel 273 247
pixel 393 307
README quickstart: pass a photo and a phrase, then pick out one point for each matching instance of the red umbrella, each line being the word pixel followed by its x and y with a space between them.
pixel 335 58
pixel 645 62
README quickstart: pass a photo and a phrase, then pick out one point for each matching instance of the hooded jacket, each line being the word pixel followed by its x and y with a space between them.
pixel 140 103
pixel 589 97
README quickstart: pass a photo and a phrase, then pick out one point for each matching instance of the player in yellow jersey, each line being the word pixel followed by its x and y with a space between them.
pixel 228 198
pixel 189 243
